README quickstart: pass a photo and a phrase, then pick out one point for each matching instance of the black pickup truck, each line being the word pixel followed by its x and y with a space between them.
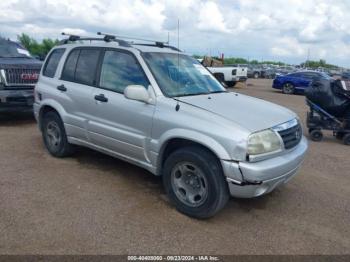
pixel 19 72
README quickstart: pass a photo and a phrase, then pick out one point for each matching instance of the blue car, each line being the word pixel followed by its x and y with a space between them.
pixel 296 82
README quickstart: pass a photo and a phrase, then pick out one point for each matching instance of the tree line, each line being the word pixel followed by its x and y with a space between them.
pixel 35 48
pixel 41 49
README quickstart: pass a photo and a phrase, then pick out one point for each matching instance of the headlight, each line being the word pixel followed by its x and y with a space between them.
pixel 263 142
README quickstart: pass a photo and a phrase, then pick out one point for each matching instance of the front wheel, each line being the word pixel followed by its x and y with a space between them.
pixel 288 89
pixel 194 182
pixel 316 135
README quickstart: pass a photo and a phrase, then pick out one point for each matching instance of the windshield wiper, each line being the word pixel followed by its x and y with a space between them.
pixel 193 94
pixel 218 91
pixel 15 56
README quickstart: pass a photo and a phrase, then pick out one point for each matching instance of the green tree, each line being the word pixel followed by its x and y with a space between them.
pixel 36 48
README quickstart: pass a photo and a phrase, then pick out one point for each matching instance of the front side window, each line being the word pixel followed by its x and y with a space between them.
pixel 181 75
pixel 52 62
pixel 119 70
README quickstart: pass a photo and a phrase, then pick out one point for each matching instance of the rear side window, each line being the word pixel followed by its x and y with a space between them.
pixel 68 72
pixel 119 70
pixel 52 62
pixel 81 65
pixel 85 72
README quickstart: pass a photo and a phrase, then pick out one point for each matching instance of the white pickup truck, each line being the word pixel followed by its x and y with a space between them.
pixel 230 75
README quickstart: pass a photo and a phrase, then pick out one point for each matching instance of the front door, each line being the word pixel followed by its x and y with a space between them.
pixel 119 124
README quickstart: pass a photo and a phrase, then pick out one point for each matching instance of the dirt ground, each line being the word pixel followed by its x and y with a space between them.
pixel 94 204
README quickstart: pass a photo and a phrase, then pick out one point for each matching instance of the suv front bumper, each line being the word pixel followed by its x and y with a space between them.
pixel 16 100
pixel 247 180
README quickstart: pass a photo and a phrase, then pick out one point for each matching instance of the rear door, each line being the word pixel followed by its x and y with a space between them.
pixel 76 85
pixel 120 124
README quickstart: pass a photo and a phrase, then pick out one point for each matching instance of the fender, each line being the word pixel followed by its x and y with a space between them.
pixel 158 146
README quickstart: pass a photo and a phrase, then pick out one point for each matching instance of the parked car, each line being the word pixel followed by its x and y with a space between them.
pixel 296 82
pixel 229 75
pixel 345 76
pixel 285 70
pixel 155 107
pixel 254 72
pixel 260 72
pixel 19 72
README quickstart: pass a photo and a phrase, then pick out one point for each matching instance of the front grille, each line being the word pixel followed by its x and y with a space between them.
pixel 291 136
pixel 21 76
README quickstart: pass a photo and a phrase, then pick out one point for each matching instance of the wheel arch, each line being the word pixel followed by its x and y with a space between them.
pixel 219 76
pixel 173 143
pixel 49 107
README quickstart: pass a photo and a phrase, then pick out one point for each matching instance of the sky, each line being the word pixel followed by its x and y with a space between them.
pixel 283 30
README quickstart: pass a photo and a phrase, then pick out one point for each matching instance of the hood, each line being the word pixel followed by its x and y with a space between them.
pixel 250 113
pixel 25 63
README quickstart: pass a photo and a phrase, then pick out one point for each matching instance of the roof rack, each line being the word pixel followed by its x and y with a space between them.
pixel 117 38
pixel 156 43
pixel 161 45
pixel 106 38
pixel 132 38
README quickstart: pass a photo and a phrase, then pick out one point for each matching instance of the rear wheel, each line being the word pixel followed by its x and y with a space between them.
pixel 256 75
pixel 288 88
pixel 194 182
pixel 230 83
pixel 220 77
pixel 54 136
pixel 316 135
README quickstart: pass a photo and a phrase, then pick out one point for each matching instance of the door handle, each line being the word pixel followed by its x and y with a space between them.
pixel 101 98
pixel 62 88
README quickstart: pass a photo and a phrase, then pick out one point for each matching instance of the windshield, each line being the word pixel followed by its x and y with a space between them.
pixel 181 75
pixel 10 49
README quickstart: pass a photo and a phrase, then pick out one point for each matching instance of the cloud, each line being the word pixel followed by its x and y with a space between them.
pixel 273 29
pixel 210 18
pixel 288 46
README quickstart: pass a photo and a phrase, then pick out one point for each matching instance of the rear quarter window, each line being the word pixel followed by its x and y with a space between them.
pixel 51 64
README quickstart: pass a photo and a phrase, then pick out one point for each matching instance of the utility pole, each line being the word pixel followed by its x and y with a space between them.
pixel 308 57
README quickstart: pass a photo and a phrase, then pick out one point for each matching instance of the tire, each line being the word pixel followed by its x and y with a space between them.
pixel 256 75
pixel 311 129
pixel 194 182
pixel 220 77
pixel 346 139
pixel 316 135
pixel 339 135
pixel 54 136
pixel 230 83
pixel 288 88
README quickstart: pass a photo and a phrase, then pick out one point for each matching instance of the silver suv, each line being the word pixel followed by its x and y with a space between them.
pixel 160 109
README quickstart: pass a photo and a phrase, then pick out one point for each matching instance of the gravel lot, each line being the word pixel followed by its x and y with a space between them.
pixel 94 204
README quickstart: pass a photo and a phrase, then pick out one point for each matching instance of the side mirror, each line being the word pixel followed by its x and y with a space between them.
pixel 138 93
